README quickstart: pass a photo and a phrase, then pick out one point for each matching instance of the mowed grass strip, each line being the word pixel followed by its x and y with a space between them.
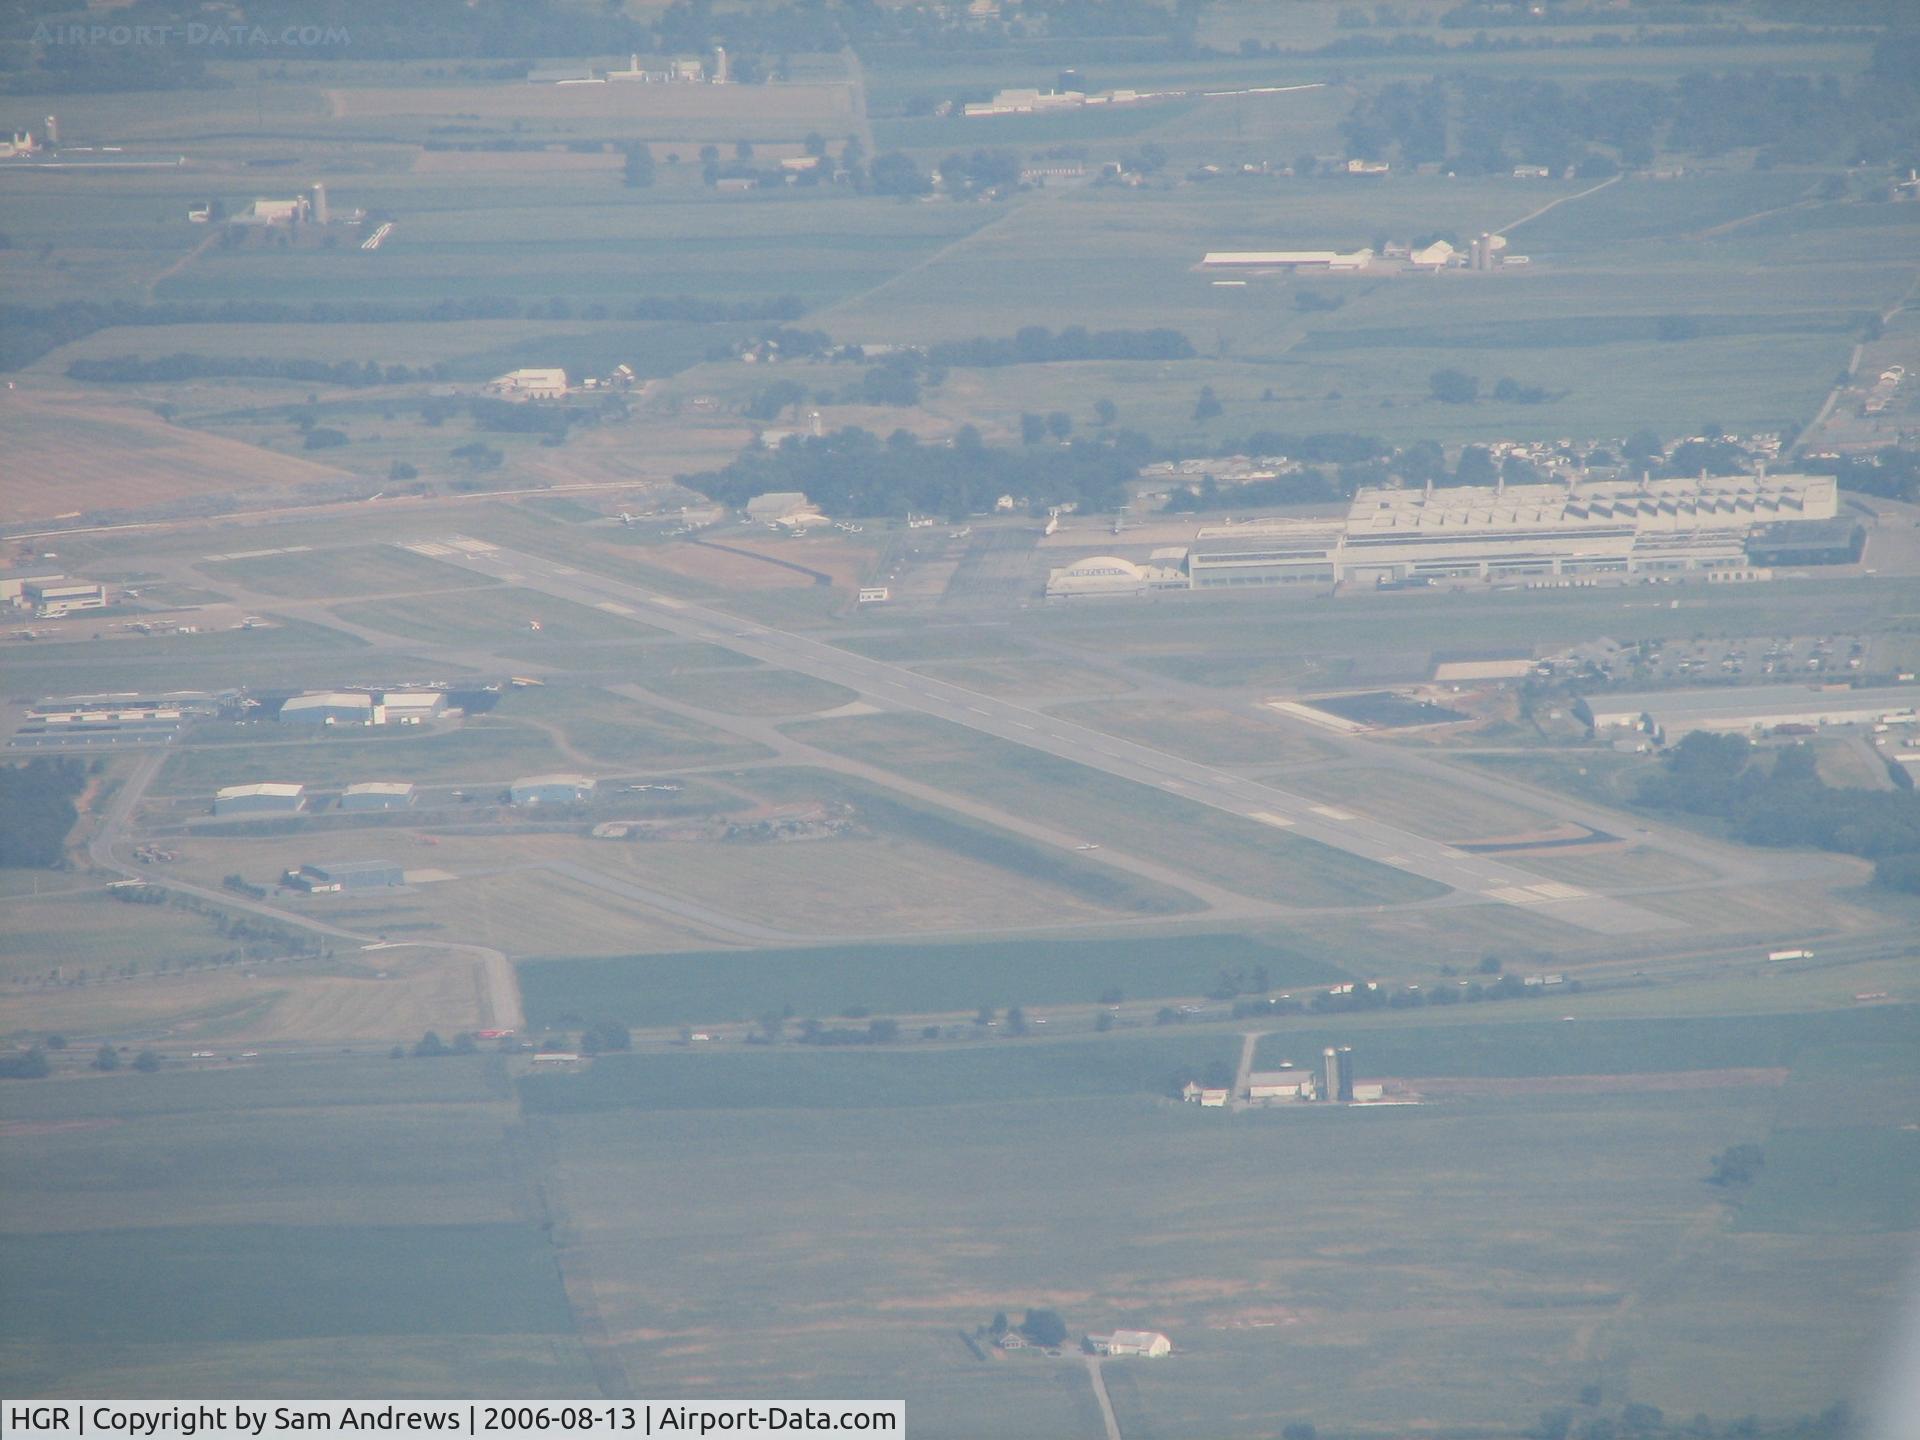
pixel 707 986
pixel 1241 854
pixel 796 1078
pixel 344 573
pixel 1523 1048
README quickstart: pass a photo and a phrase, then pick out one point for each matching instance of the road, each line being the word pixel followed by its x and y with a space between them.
pixel 1107 1417
pixel 899 688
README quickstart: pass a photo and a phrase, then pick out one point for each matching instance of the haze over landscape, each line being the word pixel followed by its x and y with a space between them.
pixel 1131 718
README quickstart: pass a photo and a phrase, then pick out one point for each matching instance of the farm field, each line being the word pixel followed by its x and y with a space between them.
pixel 71 454
pixel 382 1208
pixel 1285 1333
pixel 1238 853
pixel 904 979
pixel 485 752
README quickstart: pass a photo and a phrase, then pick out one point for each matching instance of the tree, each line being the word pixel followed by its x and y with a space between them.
pixel 743 149
pixel 106 1058
pixel 1059 424
pixel 638 172
pixel 1033 428
pixel 401 470
pixel 895 174
pixel 815 144
pixel 984 1017
pixel 430 1047
pixel 1736 1166
pixel 1044 1327
pixel 1016 1020
pixel 1454 387
pixel 147 1061
pixel 25 1065
pixel 999 1326
pixel 1105 412
pixel 1208 406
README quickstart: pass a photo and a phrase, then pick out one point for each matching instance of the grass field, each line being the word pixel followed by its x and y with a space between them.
pixel 1213 737
pixel 296 1223
pixel 343 573
pixel 484 751
pixel 1549 1046
pixel 900 979
pixel 1241 854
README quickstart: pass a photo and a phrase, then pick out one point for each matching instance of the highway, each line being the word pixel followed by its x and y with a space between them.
pixel 899 688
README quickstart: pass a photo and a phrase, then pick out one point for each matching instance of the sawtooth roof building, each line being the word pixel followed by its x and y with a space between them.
pixel 1584 528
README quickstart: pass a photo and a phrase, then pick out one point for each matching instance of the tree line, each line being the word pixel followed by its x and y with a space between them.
pixel 1785 803
pixel 37 812
pixel 138 369
pixel 1477 124
pixel 855 472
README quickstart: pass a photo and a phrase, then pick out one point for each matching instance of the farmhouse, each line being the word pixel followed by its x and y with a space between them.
pixel 270 798
pixel 529 385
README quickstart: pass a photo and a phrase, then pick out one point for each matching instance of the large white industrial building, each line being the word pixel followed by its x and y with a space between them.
pixel 1743 709
pixel 1584 528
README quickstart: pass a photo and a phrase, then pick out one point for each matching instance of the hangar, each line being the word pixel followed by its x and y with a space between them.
pixel 1747 708
pixel 551 790
pixel 265 799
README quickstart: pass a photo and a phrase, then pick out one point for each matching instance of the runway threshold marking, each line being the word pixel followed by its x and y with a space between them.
pixel 1267 817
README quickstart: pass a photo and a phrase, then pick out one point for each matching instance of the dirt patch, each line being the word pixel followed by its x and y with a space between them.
pixel 68 455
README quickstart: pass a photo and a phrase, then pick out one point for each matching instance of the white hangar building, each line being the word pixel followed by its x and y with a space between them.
pixel 1742 709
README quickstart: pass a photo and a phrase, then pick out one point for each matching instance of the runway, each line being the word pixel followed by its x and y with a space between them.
pixel 1341 828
